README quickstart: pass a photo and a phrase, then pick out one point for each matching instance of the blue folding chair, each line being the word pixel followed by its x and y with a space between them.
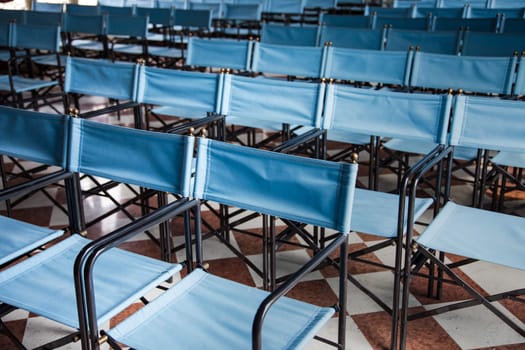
pixel 251 179
pixel 351 21
pixel 420 23
pixel 29 136
pixel 388 216
pixel 19 16
pixel 117 82
pixel 274 105
pixel 289 35
pixel 219 53
pixel 471 74
pixel 190 22
pixel 422 11
pixel 121 154
pixel 487 124
pixel 288 60
pixel 116 10
pixel 492 44
pixel 76 9
pixel 399 12
pixel 86 35
pixel 169 93
pixel 369 66
pixel 488 25
pixel 513 25
pixel 355 38
pixel 129 37
pixel 239 20
pixel 445 42
pixel 46 6
pixel 25 89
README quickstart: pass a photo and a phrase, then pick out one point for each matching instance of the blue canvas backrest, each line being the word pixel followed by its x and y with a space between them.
pixel 276 101
pixel 302 189
pixel 289 35
pixel 355 38
pixel 461 3
pixel 488 123
pixel 116 10
pixel 219 53
pixel 190 94
pixel 440 12
pixel 513 25
pixel 101 78
pixel 84 24
pixel 409 116
pixel 215 8
pixel 158 16
pixel 250 12
pixel 406 12
pixel 45 18
pixel 75 9
pixel 46 6
pixel 492 44
pixel 192 18
pixel 303 61
pixel 157 161
pixel 507 4
pixel 421 23
pixel 284 6
pixel 5 34
pixel 19 16
pixel 352 21
pixel 29 36
pixel 34 136
pixel 369 65
pixel 470 73
pixel 474 24
pixel 127 25
pixel 445 42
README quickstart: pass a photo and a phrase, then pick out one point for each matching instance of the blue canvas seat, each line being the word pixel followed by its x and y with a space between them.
pixel 244 317
pixel 116 153
pixel 482 123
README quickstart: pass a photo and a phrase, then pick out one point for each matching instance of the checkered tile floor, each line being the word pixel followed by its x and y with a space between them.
pixel 368 327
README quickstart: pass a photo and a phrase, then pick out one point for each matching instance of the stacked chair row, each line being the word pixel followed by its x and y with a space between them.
pixel 85 150
pixel 498 22
pixel 462 10
pixel 407 68
pixel 192 94
pixel 453 41
pixel 460 3
pixel 82 283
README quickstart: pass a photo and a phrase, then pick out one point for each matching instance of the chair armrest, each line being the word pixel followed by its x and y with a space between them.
pixel 85 260
pixel 299 140
pixel 284 288
pixel 32 185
